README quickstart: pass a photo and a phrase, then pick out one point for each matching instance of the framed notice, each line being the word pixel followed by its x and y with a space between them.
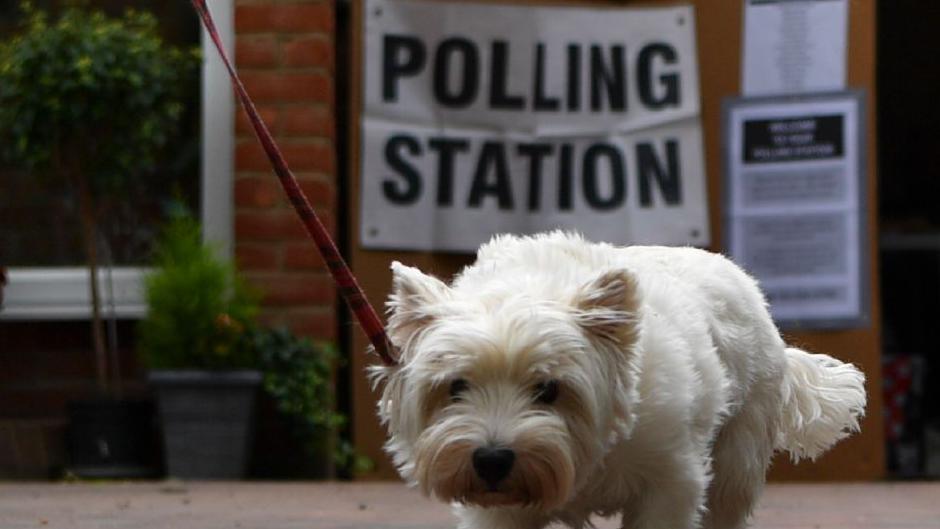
pixel 794 46
pixel 483 118
pixel 795 205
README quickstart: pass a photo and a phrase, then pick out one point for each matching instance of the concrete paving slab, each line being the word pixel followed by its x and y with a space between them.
pixel 204 505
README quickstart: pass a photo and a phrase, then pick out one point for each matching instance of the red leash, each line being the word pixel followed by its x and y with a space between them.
pixel 348 287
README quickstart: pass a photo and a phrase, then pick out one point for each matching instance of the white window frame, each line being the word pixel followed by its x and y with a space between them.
pixel 62 293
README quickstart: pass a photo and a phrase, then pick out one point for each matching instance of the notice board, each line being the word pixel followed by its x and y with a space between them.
pixel 718 40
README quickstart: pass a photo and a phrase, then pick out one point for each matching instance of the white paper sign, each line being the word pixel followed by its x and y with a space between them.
pixel 794 211
pixel 487 118
pixel 794 46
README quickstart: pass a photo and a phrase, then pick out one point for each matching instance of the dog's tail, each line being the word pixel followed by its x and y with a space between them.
pixel 823 400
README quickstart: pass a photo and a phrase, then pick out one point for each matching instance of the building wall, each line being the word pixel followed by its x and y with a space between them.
pixel 284 52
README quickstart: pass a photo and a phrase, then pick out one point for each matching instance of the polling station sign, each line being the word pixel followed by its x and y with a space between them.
pixel 487 118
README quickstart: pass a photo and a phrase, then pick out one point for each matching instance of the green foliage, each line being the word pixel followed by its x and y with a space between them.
pixel 199 309
pixel 201 315
pixel 298 375
pixel 97 94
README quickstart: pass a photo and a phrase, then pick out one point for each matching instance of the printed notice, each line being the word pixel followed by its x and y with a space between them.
pixel 485 118
pixel 794 46
pixel 794 212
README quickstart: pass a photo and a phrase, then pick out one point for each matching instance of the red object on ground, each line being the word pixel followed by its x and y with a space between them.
pixel 3 282
pixel 348 287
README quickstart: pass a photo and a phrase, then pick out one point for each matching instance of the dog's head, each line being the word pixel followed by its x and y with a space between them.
pixel 505 396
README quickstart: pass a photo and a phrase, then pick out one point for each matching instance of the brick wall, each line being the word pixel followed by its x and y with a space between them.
pixel 284 53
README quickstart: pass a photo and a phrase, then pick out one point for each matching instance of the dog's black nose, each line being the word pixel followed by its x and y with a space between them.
pixel 493 464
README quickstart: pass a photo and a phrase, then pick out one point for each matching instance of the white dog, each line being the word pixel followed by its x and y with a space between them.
pixel 556 379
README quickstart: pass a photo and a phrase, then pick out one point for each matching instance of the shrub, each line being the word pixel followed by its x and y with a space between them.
pixel 199 309
pixel 298 375
pixel 90 93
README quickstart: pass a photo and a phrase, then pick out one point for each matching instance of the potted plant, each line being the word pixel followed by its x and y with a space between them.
pixel 87 101
pixel 202 366
pixel 298 385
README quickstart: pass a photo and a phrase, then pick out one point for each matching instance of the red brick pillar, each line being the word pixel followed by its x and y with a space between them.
pixel 284 53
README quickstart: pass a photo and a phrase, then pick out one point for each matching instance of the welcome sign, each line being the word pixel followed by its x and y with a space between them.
pixel 486 118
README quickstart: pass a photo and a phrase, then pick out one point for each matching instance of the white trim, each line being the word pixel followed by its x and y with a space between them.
pixel 63 293
pixel 218 133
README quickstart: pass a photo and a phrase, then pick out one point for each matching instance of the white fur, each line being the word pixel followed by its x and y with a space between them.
pixel 675 385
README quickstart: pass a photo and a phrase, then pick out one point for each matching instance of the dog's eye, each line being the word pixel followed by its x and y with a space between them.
pixel 546 392
pixel 457 387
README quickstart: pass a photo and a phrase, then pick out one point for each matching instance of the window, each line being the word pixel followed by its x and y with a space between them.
pixel 39 235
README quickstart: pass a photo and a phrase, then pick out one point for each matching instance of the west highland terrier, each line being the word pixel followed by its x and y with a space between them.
pixel 555 379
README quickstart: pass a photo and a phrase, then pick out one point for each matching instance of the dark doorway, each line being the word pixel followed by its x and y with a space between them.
pixel 908 81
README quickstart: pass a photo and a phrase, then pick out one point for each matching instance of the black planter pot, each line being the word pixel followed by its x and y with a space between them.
pixel 112 439
pixel 207 420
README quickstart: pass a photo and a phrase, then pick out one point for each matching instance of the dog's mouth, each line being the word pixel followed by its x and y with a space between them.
pixel 493 498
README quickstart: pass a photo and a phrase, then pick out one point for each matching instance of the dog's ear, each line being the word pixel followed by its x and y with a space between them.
pixel 606 306
pixel 412 302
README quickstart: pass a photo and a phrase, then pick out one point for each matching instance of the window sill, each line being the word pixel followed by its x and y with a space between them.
pixel 63 294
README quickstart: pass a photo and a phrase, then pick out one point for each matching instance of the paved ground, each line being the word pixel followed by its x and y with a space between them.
pixel 175 505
